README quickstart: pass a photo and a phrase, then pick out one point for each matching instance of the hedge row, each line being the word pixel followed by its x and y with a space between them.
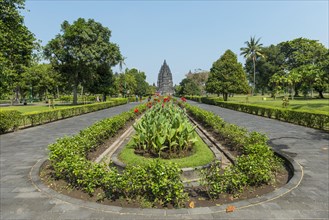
pixel 13 119
pixel 312 119
pixel 256 165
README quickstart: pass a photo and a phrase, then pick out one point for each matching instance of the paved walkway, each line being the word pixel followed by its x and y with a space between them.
pixel 21 150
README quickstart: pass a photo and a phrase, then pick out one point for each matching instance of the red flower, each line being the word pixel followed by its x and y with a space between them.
pixel 183 99
pixel 136 110
pixel 166 99
pixel 149 104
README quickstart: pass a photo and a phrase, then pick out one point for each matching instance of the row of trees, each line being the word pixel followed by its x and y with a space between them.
pixel 299 65
pixel 81 57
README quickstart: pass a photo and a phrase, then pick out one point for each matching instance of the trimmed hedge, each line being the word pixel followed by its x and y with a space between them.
pixel 12 119
pixel 256 165
pixel 9 120
pixel 312 119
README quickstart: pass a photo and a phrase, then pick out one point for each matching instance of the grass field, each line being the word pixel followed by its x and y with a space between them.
pixel 33 107
pixel 296 104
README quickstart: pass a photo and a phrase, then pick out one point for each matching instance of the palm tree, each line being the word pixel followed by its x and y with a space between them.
pixel 253 50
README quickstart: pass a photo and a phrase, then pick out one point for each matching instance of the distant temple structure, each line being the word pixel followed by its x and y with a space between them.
pixel 165 84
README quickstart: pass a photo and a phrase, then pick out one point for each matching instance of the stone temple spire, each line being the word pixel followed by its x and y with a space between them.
pixel 165 83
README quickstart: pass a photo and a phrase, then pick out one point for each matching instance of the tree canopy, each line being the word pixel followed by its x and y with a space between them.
pixel 227 76
pixel 252 51
pixel 16 45
pixel 83 53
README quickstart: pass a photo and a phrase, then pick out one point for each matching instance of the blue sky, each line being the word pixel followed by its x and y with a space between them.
pixel 188 34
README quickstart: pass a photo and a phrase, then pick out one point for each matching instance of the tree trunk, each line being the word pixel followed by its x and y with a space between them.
pixel 104 97
pixel 16 95
pixel 254 87
pixel 75 94
pixel 225 96
pixel 321 95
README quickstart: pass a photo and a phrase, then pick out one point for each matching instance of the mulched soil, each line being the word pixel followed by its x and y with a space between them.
pixel 196 194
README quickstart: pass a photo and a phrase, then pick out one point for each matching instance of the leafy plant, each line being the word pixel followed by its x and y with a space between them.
pixel 164 128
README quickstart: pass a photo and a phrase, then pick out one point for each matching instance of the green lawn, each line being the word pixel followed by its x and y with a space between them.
pixel 202 156
pixel 32 108
pixel 296 104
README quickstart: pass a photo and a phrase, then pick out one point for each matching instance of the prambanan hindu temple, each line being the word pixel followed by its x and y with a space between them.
pixel 165 83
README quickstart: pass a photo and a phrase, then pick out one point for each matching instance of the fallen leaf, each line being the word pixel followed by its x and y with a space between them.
pixel 191 205
pixel 230 208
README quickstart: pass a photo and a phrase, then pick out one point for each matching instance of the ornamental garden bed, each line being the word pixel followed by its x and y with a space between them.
pixel 158 184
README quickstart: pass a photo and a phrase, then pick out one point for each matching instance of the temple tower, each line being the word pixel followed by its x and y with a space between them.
pixel 165 83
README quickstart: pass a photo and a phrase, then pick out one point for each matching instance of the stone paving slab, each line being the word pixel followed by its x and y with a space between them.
pixel 23 149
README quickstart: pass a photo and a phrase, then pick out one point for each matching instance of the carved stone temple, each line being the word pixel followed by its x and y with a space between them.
pixel 165 84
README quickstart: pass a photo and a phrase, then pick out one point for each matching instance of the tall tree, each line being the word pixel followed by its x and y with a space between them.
pixel 252 51
pixel 266 68
pixel 189 87
pixel 80 50
pixel 227 76
pixel 39 79
pixel 307 58
pixel 141 84
pixel 199 78
pixel 16 45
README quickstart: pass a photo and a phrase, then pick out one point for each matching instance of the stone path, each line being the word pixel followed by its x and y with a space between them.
pixel 20 151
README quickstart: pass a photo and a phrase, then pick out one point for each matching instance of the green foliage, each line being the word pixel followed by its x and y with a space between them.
pixel 164 128
pixel 39 79
pixel 10 120
pixel 285 102
pixel 227 76
pixel 257 164
pixel 68 154
pixel 16 45
pixel 157 182
pixel 252 52
pixel 201 155
pixel 313 119
pixel 188 87
pixel 14 120
pixel 83 54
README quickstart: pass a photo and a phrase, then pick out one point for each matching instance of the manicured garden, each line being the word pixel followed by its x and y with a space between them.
pixel 298 103
pixel 12 119
pixel 309 118
pixel 164 134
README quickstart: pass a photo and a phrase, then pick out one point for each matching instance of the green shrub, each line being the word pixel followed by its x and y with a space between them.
pixel 257 164
pixel 9 120
pixel 68 155
pixel 13 119
pixel 156 182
